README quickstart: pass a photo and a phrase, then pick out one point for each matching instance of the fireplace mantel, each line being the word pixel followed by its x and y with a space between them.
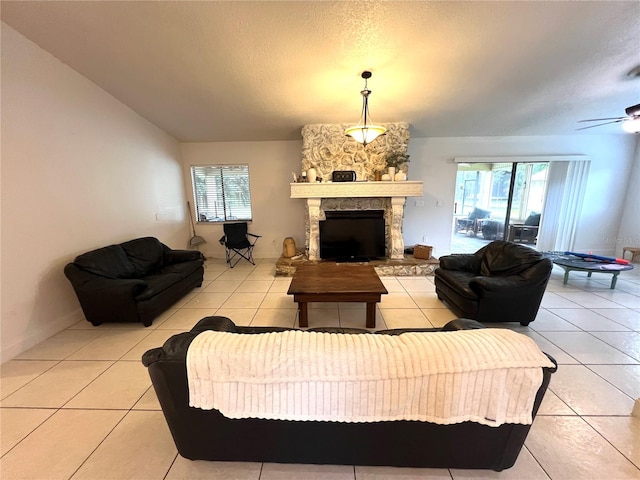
pixel 393 193
pixel 356 189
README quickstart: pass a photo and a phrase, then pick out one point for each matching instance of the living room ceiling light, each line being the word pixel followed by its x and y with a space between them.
pixel 363 132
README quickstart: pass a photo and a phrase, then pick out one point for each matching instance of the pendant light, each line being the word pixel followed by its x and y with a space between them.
pixel 363 132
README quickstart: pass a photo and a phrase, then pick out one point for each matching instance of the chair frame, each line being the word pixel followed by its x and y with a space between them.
pixel 232 253
pixel 522 233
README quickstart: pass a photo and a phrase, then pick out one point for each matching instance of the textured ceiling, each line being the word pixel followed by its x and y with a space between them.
pixel 231 71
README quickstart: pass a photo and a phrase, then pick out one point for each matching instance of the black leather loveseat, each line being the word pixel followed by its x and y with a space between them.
pixel 134 281
pixel 501 282
pixel 208 435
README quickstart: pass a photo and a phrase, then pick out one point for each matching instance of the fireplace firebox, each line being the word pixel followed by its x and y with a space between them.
pixel 352 235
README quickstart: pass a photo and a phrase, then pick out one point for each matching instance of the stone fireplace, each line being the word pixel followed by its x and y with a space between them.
pixel 327 149
pixel 387 196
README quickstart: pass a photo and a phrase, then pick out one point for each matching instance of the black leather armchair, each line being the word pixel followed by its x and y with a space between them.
pixel 134 281
pixel 501 282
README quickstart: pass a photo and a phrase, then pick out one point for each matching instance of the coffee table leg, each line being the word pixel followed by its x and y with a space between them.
pixel 371 315
pixel 566 276
pixel 303 314
pixel 614 280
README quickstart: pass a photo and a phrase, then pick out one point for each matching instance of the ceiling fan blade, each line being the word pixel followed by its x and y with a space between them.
pixel 633 110
pixel 601 119
pixel 600 124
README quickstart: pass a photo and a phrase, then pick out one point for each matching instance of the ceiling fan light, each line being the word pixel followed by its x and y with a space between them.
pixel 631 126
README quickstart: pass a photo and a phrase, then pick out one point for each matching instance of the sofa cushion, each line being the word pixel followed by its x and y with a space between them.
pixel 145 254
pixel 110 262
pixel 183 269
pixel 501 259
pixel 157 284
pixel 458 280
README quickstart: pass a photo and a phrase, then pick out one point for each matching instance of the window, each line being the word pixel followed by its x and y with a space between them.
pixel 221 192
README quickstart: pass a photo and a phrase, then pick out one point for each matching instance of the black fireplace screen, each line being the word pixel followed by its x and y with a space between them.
pixel 352 235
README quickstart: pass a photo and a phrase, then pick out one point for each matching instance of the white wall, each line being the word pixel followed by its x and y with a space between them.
pixel 629 234
pixel 432 162
pixel 275 215
pixel 79 171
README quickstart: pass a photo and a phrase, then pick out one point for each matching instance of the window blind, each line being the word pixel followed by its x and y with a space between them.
pixel 221 193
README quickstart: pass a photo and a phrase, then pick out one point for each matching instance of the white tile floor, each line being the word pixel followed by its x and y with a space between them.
pixel 80 405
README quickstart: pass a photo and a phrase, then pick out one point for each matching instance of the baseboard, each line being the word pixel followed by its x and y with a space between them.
pixel 51 328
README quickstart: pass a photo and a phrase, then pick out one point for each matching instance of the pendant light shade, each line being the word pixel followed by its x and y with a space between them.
pixel 364 132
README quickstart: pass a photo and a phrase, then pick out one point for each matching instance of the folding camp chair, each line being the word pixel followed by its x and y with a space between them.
pixel 237 244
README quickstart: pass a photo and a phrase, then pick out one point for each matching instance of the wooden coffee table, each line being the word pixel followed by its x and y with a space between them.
pixel 336 282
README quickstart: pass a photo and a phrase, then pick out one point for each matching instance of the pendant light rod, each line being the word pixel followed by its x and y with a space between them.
pixel 363 132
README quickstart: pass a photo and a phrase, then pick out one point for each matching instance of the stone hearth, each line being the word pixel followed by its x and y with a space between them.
pixel 405 267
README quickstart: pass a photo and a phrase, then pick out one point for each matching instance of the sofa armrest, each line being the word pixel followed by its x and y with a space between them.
pixel 176 346
pixel 102 298
pixel 466 261
pixel 462 324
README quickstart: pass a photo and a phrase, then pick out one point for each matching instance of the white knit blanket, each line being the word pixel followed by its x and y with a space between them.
pixel 489 376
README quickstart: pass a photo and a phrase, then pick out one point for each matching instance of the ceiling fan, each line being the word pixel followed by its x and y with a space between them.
pixel 630 122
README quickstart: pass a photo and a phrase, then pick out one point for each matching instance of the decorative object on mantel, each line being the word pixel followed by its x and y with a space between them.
pixel 400 177
pixel 392 172
pixel 311 175
pixel 397 159
pixel 365 133
pixel 386 177
pixel 343 176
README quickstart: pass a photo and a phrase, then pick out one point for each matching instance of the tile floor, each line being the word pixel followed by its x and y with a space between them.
pixel 79 405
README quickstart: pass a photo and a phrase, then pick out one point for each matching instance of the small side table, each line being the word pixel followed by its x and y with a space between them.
pixel 635 253
pixel 570 263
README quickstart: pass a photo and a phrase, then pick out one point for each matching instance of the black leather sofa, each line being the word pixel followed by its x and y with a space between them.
pixel 501 282
pixel 134 281
pixel 208 435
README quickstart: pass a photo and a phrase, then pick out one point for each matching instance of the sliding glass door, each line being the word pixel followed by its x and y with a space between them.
pixel 497 201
